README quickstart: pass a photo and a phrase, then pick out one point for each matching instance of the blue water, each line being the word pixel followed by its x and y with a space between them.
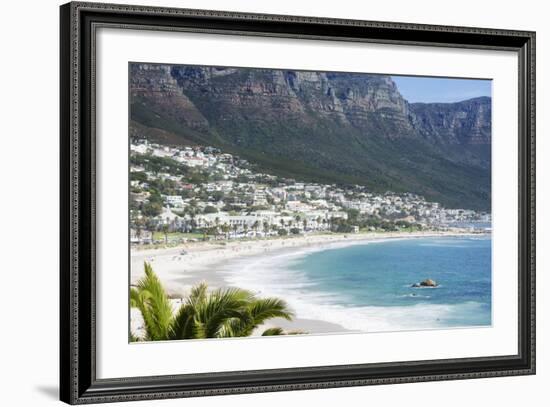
pixel 381 274
pixel 367 287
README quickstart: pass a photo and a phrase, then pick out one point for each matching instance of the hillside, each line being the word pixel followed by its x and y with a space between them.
pixel 321 126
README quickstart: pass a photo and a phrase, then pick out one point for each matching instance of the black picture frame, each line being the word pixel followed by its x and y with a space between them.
pixel 78 382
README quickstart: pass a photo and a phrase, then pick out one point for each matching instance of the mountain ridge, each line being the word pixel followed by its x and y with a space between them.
pixel 322 126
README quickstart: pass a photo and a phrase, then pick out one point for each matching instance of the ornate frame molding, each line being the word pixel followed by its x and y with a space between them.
pixel 77 247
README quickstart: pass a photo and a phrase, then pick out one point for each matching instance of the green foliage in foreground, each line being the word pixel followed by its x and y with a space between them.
pixel 221 313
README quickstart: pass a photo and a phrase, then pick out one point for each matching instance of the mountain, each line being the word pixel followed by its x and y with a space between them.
pixel 321 126
pixel 467 122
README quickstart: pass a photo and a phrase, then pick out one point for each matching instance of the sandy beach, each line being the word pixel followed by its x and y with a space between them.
pixel 179 268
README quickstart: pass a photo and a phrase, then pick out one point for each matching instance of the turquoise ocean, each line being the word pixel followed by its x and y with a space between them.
pixel 367 286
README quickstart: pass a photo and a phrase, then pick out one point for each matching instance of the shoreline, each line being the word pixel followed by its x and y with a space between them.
pixel 206 261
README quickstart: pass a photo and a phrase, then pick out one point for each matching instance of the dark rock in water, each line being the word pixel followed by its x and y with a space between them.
pixel 426 283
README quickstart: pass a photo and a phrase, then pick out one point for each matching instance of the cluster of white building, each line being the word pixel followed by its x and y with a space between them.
pixel 263 204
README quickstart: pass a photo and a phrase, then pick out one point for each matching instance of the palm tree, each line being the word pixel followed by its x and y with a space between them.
pixel 164 229
pixel 217 222
pixel 273 331
pixel 279 331
pixel 225 229
pixel 206 230
pixel 153 303
pixel 256 225
pixel 221 313
pixel 139 223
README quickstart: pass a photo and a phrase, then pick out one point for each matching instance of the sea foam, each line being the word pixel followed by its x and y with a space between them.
pixel 274 275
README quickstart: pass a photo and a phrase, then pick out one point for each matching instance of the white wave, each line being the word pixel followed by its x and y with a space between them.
pixel 272 275
pixel 414 295
pixel 383 319
pixel 447 245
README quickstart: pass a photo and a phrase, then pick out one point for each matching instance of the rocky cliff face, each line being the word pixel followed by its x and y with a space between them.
pixel 345 97
pixel 155 84
pixel 331 127
pixel 467 122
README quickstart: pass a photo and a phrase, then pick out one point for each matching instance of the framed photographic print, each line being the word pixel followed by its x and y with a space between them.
pixel 255 203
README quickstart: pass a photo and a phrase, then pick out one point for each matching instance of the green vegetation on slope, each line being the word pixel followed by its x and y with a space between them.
pixel 329 153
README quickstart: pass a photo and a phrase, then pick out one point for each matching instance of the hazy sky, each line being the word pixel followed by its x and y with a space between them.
pixel 430 90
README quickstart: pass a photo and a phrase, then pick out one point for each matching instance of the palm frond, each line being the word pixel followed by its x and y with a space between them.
pixel 198 293
pixel 233 327
pixel 220 306
pixel 135 300
pixel 154 304
pixel 263 309
pixel 183 323
pixel 297 332
pixel 138 299
pixel 257 312
pixel 273 331
pixel 227 312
